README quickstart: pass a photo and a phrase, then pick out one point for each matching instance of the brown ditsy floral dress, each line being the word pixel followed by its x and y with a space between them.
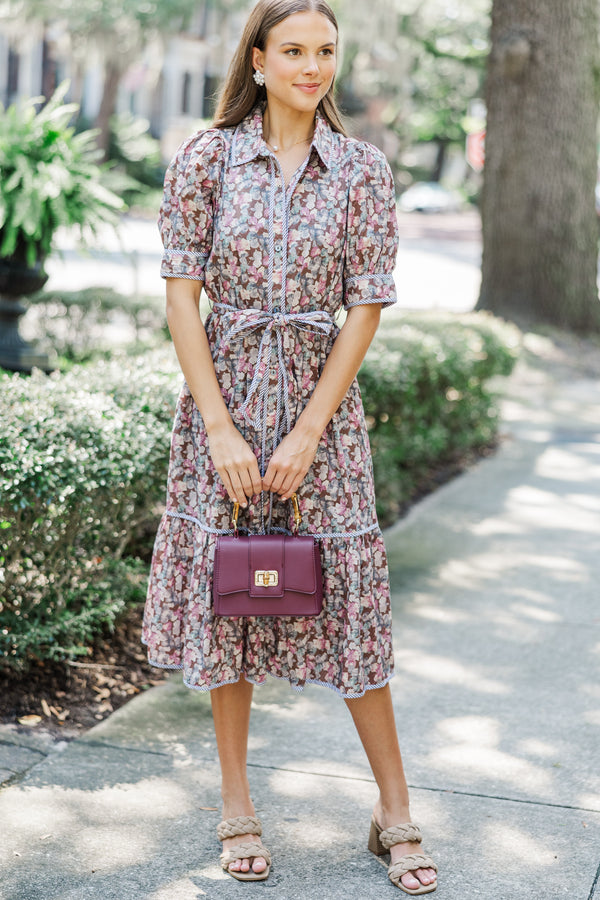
pixel 277 265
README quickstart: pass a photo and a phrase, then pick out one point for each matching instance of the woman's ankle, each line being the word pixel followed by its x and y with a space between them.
pixel 392 811
pixel 237 801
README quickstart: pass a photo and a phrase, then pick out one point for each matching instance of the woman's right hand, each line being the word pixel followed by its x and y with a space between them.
pixel 235 463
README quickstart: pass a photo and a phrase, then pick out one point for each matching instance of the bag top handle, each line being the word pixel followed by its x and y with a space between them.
pixel 295 506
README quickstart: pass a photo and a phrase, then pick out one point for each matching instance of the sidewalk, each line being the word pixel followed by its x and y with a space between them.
pixel 497 694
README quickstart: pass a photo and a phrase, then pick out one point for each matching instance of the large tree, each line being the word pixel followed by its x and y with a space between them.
pixel 539 222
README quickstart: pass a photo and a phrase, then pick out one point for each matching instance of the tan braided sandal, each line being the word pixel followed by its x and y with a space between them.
pixel 380 843
pixel 241 825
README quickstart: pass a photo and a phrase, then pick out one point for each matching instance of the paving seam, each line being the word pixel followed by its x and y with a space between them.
pixel 592 893
pixel 434 790
pixel 120 747
pixel 5 743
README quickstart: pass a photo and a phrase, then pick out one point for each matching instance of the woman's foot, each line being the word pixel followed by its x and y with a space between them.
pixel 257 864
pixel 387 818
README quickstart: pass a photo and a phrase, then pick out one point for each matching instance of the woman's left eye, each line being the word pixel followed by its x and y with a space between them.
pixel 293 51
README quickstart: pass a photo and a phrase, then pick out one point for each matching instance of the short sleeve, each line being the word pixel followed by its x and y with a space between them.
pixel 187 210
pixel 372 235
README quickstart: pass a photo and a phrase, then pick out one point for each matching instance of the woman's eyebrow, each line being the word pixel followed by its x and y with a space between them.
pixel 302 47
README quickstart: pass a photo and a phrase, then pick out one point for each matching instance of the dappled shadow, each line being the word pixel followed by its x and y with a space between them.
pixel 497 640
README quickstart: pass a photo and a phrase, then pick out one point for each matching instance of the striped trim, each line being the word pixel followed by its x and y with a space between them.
pixel 319 535
pixel 297 688
pixel 380 279
pixel 169 253
pixel 164 274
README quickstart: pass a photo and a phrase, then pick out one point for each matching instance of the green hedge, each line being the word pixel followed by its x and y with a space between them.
pixel 83 460
pixel 79 326
pixel 428 391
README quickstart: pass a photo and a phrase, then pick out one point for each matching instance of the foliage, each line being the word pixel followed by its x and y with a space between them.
pixel 136 152
pixel 80 325
pixel 425 385
pixel 83 461
pixel 120 28
pixel 50 178
pixel 448 65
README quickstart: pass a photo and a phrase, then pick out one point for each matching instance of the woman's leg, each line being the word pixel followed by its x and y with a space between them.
pixel 231 716
pixel 373 715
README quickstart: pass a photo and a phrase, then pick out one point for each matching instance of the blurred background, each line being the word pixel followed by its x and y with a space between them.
pixel 146 73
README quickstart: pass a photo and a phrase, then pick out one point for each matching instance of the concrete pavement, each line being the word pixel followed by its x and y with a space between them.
pixel 497 639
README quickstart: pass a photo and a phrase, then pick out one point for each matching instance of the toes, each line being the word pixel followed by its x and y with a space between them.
pixel 419 877
pixel 259 865
pixel 410 881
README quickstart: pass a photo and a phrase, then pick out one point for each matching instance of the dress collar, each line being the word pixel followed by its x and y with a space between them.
pixel 248 141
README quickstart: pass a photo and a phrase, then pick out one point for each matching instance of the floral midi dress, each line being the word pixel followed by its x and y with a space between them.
pixel 277 264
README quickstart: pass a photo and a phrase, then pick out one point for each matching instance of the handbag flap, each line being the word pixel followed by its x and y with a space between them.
pixel 266 565
pixel 300 565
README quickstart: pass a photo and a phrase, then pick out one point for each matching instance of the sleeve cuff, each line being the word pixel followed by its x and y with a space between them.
pixel 360 290
pixel 183 264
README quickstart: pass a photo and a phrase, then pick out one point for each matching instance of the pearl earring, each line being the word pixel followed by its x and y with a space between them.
pixel 259 78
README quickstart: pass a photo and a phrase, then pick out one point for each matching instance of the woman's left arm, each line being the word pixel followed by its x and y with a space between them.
pixel 295 454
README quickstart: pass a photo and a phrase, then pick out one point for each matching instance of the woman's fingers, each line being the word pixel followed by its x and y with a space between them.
pixel 236 464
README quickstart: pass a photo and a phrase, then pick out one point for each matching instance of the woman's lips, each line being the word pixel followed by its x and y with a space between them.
pixel 308 88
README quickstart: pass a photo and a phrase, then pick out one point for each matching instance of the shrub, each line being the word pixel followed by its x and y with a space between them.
pixel 76 324
pixel 50 178
pixel 427 397
pixel 83 462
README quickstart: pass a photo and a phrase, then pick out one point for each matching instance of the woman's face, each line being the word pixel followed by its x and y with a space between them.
pixel 298 61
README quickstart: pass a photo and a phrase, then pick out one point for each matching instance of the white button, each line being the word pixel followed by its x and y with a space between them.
pixel 278 248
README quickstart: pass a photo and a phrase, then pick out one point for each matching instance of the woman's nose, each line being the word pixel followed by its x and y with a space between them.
pixel 311 65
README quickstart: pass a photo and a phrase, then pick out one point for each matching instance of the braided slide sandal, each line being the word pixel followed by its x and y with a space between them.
pixel 241 825
pixel 380 842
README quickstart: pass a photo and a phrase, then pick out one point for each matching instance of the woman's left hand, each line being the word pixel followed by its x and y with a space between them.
pixel 290 463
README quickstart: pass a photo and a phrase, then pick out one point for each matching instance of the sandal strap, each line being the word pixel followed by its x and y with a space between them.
pixel 237 826
pixel 409 863
pixel 245 851
pixel 401 834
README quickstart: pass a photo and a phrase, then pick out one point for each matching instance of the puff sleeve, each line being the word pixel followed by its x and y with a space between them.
pixel 187 211
pixel 372 232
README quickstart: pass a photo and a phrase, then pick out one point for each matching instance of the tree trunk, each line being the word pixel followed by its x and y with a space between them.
pixel 440 159
pixel 112 79
pixel 540 237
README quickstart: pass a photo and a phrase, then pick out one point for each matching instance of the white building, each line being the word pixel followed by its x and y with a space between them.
pixel 172 83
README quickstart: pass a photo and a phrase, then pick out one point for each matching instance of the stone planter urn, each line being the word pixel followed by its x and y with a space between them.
pixel 17 280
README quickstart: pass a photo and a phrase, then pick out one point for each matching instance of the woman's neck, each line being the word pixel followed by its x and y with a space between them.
pixel 284 128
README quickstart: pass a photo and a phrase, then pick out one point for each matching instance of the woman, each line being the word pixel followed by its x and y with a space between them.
pixel 284 220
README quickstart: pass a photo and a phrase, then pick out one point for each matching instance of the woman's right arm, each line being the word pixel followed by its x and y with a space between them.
pixel 233 458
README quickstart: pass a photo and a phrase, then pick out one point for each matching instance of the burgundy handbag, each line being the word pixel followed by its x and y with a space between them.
pixel 267 574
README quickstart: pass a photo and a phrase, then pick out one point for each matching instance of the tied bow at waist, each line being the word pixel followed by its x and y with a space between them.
pixel 274 324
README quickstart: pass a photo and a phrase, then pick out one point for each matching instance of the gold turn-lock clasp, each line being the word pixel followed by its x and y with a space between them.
pixel 264 578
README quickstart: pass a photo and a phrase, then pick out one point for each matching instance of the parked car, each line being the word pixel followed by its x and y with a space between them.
pixel 429 197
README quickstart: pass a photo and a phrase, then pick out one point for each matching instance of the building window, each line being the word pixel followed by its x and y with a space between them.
pixel 12 79
pixel 186 90
pixel 209 102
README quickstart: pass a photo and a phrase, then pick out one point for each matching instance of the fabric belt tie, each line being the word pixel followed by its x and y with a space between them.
pixel 275 324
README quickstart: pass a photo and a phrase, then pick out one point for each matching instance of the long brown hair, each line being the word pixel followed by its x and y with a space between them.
pixel 240 93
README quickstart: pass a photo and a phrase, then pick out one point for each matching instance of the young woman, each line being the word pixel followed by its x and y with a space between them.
pixel 284 220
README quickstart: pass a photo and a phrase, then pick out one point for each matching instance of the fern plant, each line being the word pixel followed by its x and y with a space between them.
pixel 49 177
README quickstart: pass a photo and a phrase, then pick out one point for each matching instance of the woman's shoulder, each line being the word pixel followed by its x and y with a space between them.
pixel 205 148
pixel 360 154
